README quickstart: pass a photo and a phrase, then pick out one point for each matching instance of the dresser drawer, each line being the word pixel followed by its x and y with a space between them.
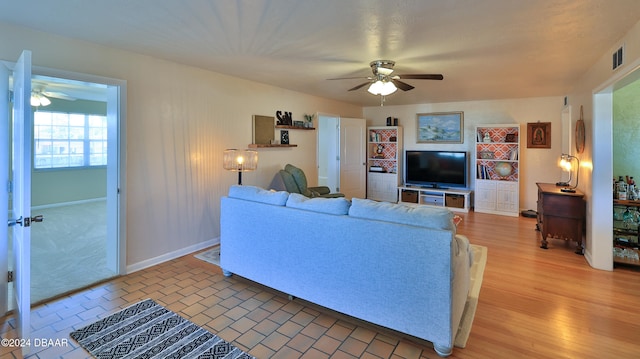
pixel 562 206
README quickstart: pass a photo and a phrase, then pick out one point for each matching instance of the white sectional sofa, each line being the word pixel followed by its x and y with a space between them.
pixel 396 266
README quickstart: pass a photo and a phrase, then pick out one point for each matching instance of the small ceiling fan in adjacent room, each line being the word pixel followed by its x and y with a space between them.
pixel 384 82
pixel 40 97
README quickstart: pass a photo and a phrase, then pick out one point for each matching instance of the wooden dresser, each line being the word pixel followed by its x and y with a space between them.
pixel 560 214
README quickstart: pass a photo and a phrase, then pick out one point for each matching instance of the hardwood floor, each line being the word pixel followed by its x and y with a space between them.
pixel 534 303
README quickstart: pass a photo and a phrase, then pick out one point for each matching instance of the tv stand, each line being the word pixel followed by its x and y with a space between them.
pixel 454 199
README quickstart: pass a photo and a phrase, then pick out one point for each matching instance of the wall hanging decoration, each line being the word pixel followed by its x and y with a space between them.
pixel 580 133
pixel 440 127
pixel 539 135
pixel 284 137
pixel 263 129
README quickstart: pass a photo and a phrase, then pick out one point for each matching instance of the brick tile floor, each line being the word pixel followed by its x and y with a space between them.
pixel 256 319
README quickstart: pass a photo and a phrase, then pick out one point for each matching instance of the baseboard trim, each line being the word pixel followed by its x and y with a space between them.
pixel 171 255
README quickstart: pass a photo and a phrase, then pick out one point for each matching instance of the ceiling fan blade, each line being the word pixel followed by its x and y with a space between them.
pixel 422 76
pixel 351 78
pixel 359 86
pixel 58 95
pixel 402 85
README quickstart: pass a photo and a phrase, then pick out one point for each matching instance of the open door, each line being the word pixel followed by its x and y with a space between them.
pixel 4 192
pixel 21 190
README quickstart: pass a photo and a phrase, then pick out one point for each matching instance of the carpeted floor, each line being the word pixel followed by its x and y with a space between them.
pixel 147 329
pixel 476 273
pixel 68 249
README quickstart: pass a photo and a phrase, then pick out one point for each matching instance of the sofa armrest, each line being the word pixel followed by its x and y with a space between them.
pixel 463 247
pixel 320 190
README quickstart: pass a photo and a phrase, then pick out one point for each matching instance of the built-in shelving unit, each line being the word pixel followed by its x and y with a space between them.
pixel 626 217
pixel 384 165
pixel 497 162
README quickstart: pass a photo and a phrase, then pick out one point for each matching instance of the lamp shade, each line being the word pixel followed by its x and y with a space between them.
pixel 240 160
pixel 383 88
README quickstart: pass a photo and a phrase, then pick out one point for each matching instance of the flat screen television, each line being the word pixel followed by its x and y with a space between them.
pixel 436 169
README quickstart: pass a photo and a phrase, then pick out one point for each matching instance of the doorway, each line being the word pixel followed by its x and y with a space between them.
pixel 342 155
pixel 77 151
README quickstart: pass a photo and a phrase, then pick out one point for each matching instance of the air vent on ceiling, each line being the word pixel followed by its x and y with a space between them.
pixel 618 57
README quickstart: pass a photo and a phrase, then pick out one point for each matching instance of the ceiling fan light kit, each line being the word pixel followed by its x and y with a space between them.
pixel 39 100
pixel 383 83
pixel 383 88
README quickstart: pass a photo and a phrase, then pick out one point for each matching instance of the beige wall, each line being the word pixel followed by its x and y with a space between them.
pixel 179 120
pixel 536 165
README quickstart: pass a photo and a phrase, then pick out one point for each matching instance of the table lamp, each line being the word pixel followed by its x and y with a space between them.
pixel 566 164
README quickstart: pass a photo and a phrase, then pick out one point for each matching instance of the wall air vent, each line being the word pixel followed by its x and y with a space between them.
pixel 618 57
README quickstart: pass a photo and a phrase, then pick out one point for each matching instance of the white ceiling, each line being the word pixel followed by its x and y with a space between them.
pixel 489 49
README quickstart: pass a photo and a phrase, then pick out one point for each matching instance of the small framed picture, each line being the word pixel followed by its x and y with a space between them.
pixel 539 135
pixel 511 137
pixel 284 137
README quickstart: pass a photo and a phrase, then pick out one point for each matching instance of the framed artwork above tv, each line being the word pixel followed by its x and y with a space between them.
pixel 440 127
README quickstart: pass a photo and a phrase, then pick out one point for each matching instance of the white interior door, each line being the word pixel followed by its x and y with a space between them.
pixel 4 192
pixel 353 157
pixel 21 161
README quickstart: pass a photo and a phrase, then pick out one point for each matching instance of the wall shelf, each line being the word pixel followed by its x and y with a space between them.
pixel 295 127
pixel 265 145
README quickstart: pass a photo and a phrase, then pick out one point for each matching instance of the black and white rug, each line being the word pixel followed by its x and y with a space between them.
pixel 148 330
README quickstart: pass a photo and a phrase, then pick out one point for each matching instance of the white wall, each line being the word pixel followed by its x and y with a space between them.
pixel 537 165
pixel 179 120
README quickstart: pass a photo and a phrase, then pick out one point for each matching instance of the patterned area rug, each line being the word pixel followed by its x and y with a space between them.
pixel 148 330
pixel 212 256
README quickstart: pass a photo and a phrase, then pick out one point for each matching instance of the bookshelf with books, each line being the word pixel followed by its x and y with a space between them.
pixel 497 162
pixel 384 165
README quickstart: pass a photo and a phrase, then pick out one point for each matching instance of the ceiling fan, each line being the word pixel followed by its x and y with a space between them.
pixel 384 83
pixel 40 97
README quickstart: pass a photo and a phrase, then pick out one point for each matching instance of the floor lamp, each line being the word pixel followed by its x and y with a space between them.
pixel 240 161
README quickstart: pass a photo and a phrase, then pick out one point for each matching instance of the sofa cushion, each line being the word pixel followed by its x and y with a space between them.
pixel 422 216
pixel 300 178
pixel 257 194
pixel 338 206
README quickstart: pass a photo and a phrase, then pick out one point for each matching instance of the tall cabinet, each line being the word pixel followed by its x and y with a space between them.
pixel 384 162
pixel 497 160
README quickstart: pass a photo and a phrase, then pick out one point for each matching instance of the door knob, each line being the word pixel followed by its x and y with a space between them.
pixel 25 222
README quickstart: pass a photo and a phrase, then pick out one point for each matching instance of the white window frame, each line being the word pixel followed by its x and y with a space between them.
pixel 86 139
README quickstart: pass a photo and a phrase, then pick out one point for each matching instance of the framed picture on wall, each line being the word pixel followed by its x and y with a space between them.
pixel 284 137
pixel 440 127
pixel 539 135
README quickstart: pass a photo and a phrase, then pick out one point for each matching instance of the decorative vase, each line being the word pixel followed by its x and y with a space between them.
pixel 503 169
